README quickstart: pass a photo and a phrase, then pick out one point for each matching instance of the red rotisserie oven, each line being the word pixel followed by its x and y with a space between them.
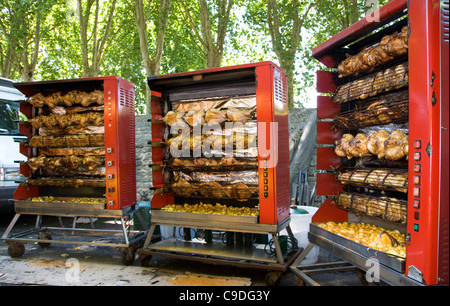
pixel 382 155
pixel 220 155
pixel 79 154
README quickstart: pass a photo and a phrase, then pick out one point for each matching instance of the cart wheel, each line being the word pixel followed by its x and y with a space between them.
pixel 299 281
pixel 44 236
pixel 128 257
pixel 145 260
pixel 362 277
pixel 16 250
pixel 272 278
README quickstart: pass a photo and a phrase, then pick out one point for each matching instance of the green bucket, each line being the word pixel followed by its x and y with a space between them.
pixel 144 209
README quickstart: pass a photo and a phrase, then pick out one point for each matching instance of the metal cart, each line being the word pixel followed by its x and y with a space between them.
pixel 249 255
pixel 123 238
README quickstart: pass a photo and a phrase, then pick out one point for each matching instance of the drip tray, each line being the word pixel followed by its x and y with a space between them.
pixel 338 244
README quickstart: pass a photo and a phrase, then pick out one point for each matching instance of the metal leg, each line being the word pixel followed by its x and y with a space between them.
pixel 141 219
pixel 60 222
pixel 149 236
pixel 38 222
pixel 10 226
pixel 278 251
pixel 124 229
pixel 303 255
pixel 74 224
pixel 290 233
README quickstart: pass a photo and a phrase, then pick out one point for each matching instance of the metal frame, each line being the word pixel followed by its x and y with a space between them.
pixel 271 106
pixel 119 123
pixel 351 257
pixel 268 82
pixel 132 240
pixel 223 254
pixel 427 225
pixel 120 170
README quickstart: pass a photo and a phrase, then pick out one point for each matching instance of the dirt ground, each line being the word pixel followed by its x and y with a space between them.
pixel 87 265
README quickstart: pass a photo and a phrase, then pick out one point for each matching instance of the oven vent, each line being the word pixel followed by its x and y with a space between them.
pixel 444 250
pixel 126 98
pixel 445 20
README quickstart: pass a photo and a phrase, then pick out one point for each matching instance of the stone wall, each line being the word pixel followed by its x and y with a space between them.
pixel 143 157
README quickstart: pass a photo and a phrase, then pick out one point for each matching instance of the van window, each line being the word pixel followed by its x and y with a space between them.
pixel 9 116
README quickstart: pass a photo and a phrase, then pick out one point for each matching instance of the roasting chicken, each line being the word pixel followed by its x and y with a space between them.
pixel 239 115
pixel 343 146
pixel 357 147
pixel 211 190
pixel 199 162
pixel 36 100
pixel 68 141
pixel 376 143
pixel 205 162
pixel 80 119
pixel 69 98
pixel 380 143
pixel 228 161
pixel 195 118
pixel 183 189
pixel 72 161
pixel 182 163
pixel 389 48
pixel 394 145
pixel 79 182
pixel 215 116
pixel 238 191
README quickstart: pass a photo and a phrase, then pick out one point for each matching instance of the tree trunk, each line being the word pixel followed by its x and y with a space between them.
pixel 213 50
pixel 152 66
pixel 286 47
pixel 99 44
pixel 23 39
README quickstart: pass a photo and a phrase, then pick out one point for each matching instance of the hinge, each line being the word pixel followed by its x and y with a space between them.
pixel 429 149
pixel 415 274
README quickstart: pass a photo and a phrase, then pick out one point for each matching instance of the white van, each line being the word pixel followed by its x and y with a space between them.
pixel 9 147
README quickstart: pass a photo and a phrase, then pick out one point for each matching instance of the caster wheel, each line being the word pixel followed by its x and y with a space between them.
pixel 16 250
pixel 145 260
pixel 362 277
pixel 272 278
pixel 128 257
pixel 44 236
pixel 299 281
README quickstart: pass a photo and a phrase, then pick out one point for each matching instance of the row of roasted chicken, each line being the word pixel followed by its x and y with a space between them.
pixel 391 179
pixel 390 47
pixel 212 141
pixel 210 116
pixel 389 108
pixel 213 189
pixel 388 208
pixel 374 84
pixel 381 143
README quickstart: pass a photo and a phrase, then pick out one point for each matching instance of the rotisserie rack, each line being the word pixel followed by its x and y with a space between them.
pixel 368 182
pixel 382 136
